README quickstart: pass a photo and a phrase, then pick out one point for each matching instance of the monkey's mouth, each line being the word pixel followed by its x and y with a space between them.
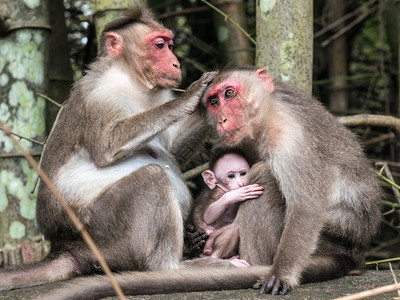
pixel 231 136
pixel 171 81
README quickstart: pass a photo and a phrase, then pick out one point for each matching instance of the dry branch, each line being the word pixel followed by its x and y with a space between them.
pixel 371 293
pixel 22 137
pixel 373 120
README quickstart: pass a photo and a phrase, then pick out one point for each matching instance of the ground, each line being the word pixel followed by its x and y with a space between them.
pixel 322 290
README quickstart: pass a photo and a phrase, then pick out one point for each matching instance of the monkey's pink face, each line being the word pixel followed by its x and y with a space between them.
pixel 226 108
pixel 164 66
pixel 231 172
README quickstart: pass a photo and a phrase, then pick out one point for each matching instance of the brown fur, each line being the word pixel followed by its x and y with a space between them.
pixel 321 201
pixel 110 157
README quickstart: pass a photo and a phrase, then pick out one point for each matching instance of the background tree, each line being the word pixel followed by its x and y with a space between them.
pixel 24 73
pixel 284 40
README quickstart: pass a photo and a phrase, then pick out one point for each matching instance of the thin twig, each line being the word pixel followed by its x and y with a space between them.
pixel 230 20
pixel 195 171
pixel 342 19
pixel 22 137
pixel 382 261
pixel 394 277
pixel 14 155
pixel 371 293
pixel 388 181
pixel 78 225
pixel 368 119
pixel 388 173
pixel 349 26
pixel 49 99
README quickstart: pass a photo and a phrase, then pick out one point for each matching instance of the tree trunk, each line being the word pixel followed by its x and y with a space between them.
pixel 108 10
pixel 285 40
pixel 233 43
pixel 60 70
pixel 23 69
pixel 337 57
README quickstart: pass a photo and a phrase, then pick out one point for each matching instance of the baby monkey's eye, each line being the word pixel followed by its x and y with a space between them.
pixel 231 176
pixel 243 173
pixel 229 93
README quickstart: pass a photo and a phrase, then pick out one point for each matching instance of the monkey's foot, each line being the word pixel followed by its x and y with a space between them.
pixel 273 286
pixel 237 262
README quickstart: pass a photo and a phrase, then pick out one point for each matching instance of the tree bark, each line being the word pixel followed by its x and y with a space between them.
pixel 337 57
pixel 23 69
pixel 285 40
pixel 60 70
pixel 233 43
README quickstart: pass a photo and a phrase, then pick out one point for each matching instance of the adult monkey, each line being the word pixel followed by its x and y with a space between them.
pixel 109 156
pixel 329 209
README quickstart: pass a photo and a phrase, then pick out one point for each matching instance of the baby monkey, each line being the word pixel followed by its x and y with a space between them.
pixel 217 206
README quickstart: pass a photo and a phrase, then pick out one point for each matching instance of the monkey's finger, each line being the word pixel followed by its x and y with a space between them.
pixel 199 240
pixel 277 286
pixel 198 247
pixel 285 289
pixel 190 228
pixel 206 78
pixel 268 285
pixel 193 235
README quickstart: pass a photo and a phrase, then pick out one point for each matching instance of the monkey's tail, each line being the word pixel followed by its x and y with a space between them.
pixel 160 282
pixel 50 269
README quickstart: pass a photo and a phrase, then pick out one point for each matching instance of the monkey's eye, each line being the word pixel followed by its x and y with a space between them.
pixel 231 176
pixel 229 93
pixel 243 173
pixel 213 100
pixel 160 45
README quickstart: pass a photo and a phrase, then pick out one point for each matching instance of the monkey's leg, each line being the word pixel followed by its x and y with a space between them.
pixel 327 267
pixel 137 223
pixel 227 242
pixel 260 221
pixel 54 267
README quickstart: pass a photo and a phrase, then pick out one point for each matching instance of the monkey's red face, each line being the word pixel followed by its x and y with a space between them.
pixel 225 105
pixel 165 67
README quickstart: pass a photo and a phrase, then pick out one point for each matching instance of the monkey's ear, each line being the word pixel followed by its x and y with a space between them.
pixel 209 178
pixel 113 43
pixel 268 84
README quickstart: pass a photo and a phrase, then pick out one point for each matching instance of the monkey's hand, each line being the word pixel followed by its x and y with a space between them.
pixel 195 91
pixel 247 192
pixel 273 286
pixel 195 240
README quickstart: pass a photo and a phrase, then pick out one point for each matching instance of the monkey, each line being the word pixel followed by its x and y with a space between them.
pixel 113 157
pixel 324 208
pixel 217 205
pixel 109 156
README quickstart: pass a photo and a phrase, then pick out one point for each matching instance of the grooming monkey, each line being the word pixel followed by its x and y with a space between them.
pixel 110 157
pixel 217 206
pixel 325 210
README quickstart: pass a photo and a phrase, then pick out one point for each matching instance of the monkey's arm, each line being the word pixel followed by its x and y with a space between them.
pixel 306 210
pixel 191 136
pixel 217 208
pixel 122 137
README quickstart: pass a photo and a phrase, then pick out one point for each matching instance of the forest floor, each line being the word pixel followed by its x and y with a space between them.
pixel 322 290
